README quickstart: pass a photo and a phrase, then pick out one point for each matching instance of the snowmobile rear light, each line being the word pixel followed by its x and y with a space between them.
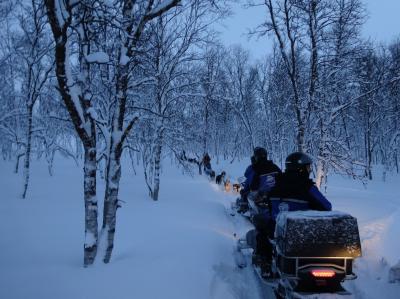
pixel 323 273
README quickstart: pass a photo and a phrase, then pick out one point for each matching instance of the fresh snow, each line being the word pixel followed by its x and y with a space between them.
pixel 98 57
pixel 161 6
pixel 61 13
pixel 90 240
pixel 124 59
pixel 311 214
pixel 179 247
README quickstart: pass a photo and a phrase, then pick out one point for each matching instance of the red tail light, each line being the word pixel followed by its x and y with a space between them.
pixel 323 273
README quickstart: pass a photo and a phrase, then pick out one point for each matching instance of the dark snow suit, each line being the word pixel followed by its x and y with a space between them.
pixel 242 201
pixel 264 172
pixel 248 174
pixel 291 192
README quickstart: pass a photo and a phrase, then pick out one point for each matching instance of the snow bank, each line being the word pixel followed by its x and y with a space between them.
pixel 377 207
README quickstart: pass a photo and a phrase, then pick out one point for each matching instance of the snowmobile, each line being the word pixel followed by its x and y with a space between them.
pixel 256 201
pixel 240 206
pixel 313 253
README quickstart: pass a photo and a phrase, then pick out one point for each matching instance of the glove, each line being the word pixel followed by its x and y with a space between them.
pixel 260 198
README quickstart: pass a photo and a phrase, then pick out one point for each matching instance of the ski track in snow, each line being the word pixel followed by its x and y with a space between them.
pixel 239 283
pixel 244 283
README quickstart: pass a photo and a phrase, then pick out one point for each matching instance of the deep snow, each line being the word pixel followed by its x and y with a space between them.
pixel 179 247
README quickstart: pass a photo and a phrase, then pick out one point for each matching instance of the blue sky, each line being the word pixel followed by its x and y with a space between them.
pixel 382 25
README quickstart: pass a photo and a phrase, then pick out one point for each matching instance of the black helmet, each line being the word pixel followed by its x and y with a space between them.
pixel 253 160
pixel 298 161
pixel 259 154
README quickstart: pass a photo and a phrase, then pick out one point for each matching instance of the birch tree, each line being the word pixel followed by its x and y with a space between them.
pixel 12 108
pixel 284 24
pixel 33 49
pixel 134 19
pixel 65 18
pixel 242 92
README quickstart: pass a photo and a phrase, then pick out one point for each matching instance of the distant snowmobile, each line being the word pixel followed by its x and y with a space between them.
pixel 313 253
pixel 239 206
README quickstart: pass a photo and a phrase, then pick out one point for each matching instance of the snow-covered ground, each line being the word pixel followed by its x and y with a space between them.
pixel 179 247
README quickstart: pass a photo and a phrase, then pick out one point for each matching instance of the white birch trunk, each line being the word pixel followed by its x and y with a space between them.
pixel 50 162
pixel 91 229
pixel 157 165
pixel 113 176
pixel 320 176
pixel 27 152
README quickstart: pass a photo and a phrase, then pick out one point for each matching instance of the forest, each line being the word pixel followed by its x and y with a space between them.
pixel 106 82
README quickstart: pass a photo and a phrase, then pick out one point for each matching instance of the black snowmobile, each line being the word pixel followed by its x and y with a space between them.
pixel 240 206
pixel 251 207
pixel 313 253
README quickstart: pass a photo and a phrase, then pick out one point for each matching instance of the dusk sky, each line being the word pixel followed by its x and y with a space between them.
pixel 382 25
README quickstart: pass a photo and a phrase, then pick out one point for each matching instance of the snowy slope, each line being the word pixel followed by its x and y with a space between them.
pixel 377 208
pixel 179 247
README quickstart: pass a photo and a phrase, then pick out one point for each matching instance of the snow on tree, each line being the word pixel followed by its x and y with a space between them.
pixel 66 17
pixel 96 80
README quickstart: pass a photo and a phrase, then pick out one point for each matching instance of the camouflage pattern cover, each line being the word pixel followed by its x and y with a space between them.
pixel 317 234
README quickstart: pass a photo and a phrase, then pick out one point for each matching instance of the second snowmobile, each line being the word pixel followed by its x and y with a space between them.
pixel 313 253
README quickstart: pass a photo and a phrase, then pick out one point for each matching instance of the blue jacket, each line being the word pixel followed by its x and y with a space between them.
pixel 293 193
pixel 264 173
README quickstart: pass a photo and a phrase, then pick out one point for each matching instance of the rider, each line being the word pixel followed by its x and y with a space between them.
pixel 264 171
pixel 293 190
pixel 256 174
pixel 242 202
pixel 207 166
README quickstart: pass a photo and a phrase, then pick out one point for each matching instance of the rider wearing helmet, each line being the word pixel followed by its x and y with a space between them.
pixel 293 191
pixel 263 169
pixel 296 189
pixel 256 175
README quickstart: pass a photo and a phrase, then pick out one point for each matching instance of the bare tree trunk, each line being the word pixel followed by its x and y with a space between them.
pixel 78 105
pixel 321 163
pixel 206 129
pixel 369 152
pixel 113 170
pixel 321 175
pixel 91 229
pixel 157 166
pixel 50 162
pixel 113 177
pixel 19 156
pixel 27 152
